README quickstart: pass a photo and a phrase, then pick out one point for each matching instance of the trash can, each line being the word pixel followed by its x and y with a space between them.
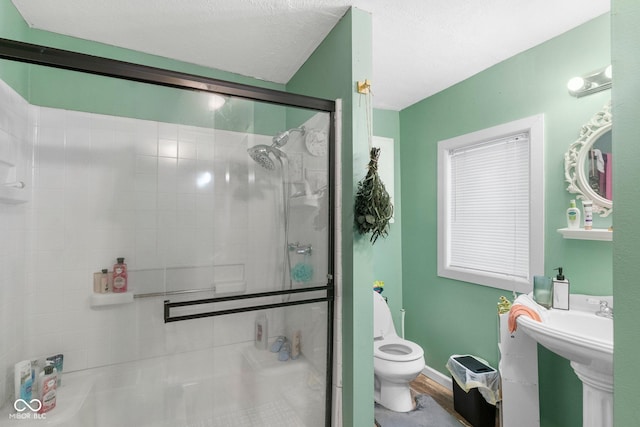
pixel 475 389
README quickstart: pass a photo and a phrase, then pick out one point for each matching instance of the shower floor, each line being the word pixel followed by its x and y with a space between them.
pixel 236 385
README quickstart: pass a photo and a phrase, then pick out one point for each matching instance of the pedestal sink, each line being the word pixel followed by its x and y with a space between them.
pixel 586 340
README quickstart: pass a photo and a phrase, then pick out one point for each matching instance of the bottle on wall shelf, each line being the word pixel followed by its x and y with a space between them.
pixel 588 214
pixel 119 276
pixel 573 216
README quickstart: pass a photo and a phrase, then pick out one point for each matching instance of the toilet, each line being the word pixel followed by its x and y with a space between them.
pixel 396 361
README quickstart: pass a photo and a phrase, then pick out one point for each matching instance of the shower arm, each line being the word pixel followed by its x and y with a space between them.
pixel 300 249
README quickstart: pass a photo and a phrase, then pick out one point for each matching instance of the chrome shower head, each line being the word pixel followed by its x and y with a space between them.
pixel 261 155
pixel 283 137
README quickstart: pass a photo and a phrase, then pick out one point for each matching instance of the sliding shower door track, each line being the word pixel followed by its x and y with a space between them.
pixel 168 305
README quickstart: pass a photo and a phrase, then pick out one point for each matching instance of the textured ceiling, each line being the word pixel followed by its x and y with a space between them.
pixel 420 47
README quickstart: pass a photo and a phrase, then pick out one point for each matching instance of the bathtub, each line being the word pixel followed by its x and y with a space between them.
pixel 235 385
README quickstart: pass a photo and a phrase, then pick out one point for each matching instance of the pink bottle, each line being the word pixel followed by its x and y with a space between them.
pixel 120 276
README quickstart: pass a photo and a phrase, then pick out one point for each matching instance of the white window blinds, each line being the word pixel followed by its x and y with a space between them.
pixel 489 207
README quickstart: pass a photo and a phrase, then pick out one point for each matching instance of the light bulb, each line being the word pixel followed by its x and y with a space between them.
pixel 216 102
pixel 608 72
pixel 576 84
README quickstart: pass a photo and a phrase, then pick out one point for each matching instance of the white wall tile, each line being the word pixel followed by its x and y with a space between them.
pixel 110 187
pixel 146 164
pixel 147 142
pixel 168 148
pixel 49 177
pixel 187 149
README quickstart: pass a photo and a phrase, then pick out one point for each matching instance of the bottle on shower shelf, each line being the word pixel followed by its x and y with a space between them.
pixel 261 332
pixel 120 276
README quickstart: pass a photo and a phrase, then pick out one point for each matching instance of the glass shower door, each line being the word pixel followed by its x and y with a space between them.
pixel 229 314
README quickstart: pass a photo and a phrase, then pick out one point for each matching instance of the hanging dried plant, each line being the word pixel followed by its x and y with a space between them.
pixel 373 207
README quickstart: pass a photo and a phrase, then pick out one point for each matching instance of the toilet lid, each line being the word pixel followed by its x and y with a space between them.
pixel 397 350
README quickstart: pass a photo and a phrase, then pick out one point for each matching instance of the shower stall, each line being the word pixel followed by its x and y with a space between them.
pixel 220 198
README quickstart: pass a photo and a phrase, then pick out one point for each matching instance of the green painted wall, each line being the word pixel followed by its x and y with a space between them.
pixel 331 72
pixel 12 26
pixel 49 87
pixel 387 252
pixel 447 316
pixel 625 15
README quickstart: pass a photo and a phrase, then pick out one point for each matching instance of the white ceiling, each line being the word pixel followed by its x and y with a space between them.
pixel 420 47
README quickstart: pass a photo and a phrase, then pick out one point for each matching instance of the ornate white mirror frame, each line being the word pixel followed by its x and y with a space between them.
pixel 576 158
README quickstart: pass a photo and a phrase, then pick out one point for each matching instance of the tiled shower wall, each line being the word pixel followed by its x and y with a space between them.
pixel 103 187
pixel 107 187
pixel 15 149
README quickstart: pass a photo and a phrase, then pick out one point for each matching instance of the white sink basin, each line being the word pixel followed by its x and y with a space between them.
pixel 580 336
pixel 587 341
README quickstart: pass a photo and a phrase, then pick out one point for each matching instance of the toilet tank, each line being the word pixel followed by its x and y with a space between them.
pixel 382 320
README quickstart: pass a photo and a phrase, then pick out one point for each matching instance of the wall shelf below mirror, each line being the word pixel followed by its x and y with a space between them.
pixel 582 234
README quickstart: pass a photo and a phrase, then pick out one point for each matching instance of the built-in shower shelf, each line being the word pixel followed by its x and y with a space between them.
pixel 100 300
pixel 13 195
pixel 582 234
pixel 11 190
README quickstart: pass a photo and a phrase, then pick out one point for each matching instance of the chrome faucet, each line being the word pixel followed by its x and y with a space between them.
pixel 605 310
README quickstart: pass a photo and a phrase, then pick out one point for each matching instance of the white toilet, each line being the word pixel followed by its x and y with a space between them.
pixel 396 361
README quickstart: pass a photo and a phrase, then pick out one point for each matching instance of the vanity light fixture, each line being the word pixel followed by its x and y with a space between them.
pixel 590 83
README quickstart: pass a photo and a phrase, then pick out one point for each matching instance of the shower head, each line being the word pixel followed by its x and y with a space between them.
pixel 283 137
pixel 261 154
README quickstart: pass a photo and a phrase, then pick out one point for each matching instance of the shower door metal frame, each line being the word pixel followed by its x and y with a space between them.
pixel 68 60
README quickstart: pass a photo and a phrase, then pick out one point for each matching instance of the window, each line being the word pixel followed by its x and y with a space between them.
pixel 491 206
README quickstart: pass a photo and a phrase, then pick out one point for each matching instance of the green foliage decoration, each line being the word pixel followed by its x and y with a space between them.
pixel 373 207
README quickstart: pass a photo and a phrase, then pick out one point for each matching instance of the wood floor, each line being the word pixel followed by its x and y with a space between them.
pixel 439 393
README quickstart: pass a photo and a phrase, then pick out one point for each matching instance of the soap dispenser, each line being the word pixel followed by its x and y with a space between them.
pixel 560 291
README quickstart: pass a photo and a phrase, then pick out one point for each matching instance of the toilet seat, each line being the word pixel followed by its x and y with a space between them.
pixel 397 350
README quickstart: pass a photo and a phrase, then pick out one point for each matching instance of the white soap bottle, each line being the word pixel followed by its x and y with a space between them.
pixel 573 216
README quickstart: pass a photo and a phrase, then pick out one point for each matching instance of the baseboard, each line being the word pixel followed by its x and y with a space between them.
pixel 438 377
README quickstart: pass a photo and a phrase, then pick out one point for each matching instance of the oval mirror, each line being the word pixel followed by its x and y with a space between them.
pixel 588 163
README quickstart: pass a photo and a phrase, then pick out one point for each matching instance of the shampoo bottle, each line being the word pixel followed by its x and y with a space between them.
pixel 57 361
pixel 48 387
pixel 295 347
pixel 573 216
pixel 35 374
pixel 23 382
pixel 120 276
pixel 261 332
pixel 560 291
pixel 104 281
